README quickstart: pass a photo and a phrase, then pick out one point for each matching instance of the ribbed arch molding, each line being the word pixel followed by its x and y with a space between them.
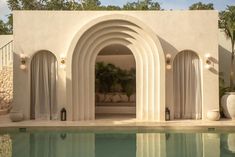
pixel 150 67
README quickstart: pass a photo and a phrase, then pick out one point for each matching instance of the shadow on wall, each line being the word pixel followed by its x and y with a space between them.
pixel 68 106
pixel 224 64
pixel 167 47
pixel 212 69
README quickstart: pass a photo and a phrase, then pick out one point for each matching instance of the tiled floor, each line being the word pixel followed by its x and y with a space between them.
pixel 120 122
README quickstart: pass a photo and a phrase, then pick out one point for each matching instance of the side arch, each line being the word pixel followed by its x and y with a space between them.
pixel 43 80
pixel 187 85
pixel 146 48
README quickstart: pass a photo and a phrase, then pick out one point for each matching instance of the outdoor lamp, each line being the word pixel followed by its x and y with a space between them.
pixel 22 61
pixel 209 63
pixel 168 61
pixel 62 61
pixel 167 114
pixel 63 114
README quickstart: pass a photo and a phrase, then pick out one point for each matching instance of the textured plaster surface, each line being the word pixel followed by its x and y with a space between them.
pixel 150 35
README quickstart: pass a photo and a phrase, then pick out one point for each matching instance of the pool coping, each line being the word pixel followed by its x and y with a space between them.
pixel 121 125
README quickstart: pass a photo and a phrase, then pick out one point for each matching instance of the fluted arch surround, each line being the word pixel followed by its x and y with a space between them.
pixel 150 65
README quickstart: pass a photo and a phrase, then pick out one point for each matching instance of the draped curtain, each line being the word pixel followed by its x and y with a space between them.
pixel 187 86
pixel 43 86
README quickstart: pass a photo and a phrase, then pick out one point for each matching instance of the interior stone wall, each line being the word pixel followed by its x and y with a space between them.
pixel 6 89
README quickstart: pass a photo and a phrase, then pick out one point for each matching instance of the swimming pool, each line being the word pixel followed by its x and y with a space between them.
pixel 116 144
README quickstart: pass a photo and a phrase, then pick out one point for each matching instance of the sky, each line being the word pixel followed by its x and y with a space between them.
pixel 165 4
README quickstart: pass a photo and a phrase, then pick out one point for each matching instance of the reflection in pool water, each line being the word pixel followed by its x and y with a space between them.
pixel 75 144
pixel 227 145
pixel 5 146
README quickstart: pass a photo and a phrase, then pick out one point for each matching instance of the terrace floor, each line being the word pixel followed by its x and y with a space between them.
pixel 122 123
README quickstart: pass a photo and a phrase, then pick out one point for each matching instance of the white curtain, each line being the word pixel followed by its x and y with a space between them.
pixel 187 86
pixel 43 86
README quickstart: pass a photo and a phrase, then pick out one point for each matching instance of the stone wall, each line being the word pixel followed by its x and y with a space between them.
pixel 6 89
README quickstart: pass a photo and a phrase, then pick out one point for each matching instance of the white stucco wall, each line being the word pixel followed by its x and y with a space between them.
pixel 55 30
pixel 4 39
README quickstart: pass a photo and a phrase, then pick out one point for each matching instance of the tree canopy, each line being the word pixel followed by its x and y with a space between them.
pixel 3 28
pixel 142 5
pixel 202 6
pixel 109 77
pixel 6 28
pixel 79 5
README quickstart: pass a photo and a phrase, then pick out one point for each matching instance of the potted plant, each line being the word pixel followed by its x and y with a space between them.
pixel 227 23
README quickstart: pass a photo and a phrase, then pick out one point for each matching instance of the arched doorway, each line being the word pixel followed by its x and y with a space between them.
pixel 150 65
pixel 43 86
pixel 115 82
pixel 187 86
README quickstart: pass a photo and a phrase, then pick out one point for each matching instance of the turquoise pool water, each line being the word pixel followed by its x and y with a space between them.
pixel 116 144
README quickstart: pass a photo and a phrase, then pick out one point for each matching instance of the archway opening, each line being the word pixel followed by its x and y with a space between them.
pixel 149 58
pixel 187 86
pixel 43 86
pixel 115 83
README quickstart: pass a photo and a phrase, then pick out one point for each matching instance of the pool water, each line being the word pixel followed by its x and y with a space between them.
pixel 116 144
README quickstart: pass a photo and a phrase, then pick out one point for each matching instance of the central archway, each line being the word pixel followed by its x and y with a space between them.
pixel 150 65
pixel 115 83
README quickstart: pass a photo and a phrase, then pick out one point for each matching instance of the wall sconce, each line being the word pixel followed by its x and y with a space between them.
pixel 168 61
pixel 62 61
pixel 209 63
pixel 22 61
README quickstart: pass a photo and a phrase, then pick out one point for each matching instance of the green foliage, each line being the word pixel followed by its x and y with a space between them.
pixel 58 5
pixel 4 28
pixel 128 82
pixel 108 76
pixel 24 4
pixel 79 5
pixel 91 4
pixel 9 24
pixel 110 7
pixel 44 5
pixel 227 23
pixel 202 6
pixel 142 5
